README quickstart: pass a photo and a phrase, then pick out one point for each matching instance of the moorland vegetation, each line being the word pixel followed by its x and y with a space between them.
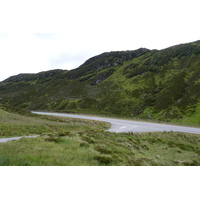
pixel 145 84
pixel 142 84
pixel 76 142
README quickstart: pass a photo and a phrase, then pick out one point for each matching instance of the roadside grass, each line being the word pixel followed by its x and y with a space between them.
pixel 40 152
pixel 193 119
pixel 12 124
pixel 77 142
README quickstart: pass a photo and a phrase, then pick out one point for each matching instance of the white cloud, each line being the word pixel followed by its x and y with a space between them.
pixel 69 32
pixel 31 53
pixel 21 53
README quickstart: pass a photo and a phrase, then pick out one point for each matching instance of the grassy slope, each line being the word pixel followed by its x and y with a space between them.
pixel 161 85
pixel 78 142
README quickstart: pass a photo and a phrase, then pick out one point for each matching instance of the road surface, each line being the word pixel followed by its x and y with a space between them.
pixel 119 125
pixel 2 140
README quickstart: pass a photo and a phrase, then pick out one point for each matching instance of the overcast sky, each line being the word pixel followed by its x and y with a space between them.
pixel 43 35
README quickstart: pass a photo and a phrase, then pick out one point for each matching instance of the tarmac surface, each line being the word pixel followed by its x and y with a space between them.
pixel 122 125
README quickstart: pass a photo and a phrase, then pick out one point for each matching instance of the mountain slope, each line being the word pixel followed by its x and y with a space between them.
pixel 143 83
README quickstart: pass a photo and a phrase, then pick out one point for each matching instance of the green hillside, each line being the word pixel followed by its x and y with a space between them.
pixel 146 84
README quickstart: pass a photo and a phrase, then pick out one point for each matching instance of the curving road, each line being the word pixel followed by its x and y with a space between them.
pixel 120 125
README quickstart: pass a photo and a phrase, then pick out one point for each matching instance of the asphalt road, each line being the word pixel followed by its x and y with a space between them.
pixel 119 125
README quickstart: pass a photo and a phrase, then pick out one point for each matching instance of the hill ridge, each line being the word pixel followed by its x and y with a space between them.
pixel 156 84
